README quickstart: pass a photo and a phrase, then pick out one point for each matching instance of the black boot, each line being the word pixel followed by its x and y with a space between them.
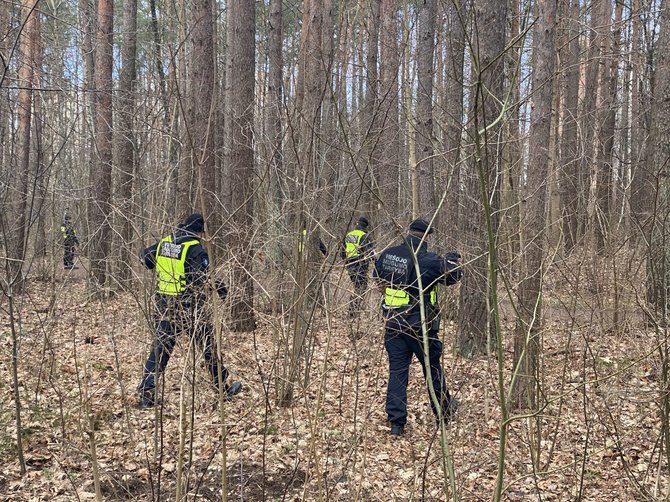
pixel 146 400
pixel 232 390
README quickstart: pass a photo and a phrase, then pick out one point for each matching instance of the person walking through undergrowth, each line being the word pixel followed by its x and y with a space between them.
pixel 69 242
pixel 182 266
pixel 397 273
pixel 356 251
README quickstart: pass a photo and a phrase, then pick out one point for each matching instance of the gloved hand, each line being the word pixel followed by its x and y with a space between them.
pixel 453 257
pixel 221 289
pixel 455 272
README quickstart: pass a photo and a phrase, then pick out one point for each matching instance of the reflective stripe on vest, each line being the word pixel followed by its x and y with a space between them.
pixel 396 298
pixel 352 243
pixel 170 260
pixel 400 298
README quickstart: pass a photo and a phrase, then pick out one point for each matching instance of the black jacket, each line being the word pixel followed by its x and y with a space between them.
pixel 395 268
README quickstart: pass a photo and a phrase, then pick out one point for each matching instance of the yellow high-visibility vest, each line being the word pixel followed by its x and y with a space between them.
pixel 170 260
pixel 395 298
pixel 352 243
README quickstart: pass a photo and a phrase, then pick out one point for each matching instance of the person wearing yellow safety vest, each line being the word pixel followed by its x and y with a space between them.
pixel 396 272
pixel 356 251
pixel 181 265
pixel 70 240
pixel 302 240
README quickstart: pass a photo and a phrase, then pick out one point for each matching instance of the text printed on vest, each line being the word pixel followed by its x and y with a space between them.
pixel 170 250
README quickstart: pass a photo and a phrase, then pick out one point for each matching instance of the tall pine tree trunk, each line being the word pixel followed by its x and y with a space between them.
pixel 658 263
pixel 309 92
pixel 125 139
pixel 453 128
pixel 572 189
pixel 527 340
pixel 18 221
pixel 101 183
pixel 240 154
pixel 478 222
pixel 424 109
pixel 275 111
pixel 389 63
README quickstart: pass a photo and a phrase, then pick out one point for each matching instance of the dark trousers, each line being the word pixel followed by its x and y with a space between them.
pixel 401 345
pixel 172 318
pixel 68 256
pixel 359 278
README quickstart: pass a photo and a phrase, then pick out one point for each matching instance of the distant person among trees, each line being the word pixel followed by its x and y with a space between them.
pixel 303 240
pixel 182 266
pixel 396 271
pixel 356 251
pixel 70 240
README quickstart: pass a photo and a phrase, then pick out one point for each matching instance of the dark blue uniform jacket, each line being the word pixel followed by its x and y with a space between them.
pixel 395 268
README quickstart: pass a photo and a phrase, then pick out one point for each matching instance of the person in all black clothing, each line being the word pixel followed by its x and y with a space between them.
pixel 69 242
pixel 396 270
pixel 181 265
pixel 356 250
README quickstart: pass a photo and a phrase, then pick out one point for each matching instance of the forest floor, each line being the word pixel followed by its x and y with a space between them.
pixel 80 361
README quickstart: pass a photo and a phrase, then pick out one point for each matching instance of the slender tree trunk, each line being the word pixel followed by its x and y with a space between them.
pixel 527 341
pixel 331 153
pixel 200 116
pixel 658 263
pixel 605 140
pixel 158 56
pixel 389 62
pixel 18 223
pixel 589 118
pixel 102 176
pixel 275 112
pixel 240 153
pixel 455 52
pixel 40 170
pixel 424 108
pixel 478 222
pixel 125 139
pixel 309 93
pixel 572 190
pixel 511 162
pixel 642 182
pixel 5 171
pixel 87 21
pixel 369 169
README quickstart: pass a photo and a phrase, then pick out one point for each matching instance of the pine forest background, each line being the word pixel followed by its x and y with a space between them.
pixel 534 134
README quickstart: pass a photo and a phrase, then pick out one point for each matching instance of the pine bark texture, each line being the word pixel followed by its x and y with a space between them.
pixel 275 112
pixel 424 109
pixel 125 139
pixel 476 223
pixel 369 168
pixel 239 158
pixel 17 222
pixel 101 182
pixel 389 63
pixel 659 250
pixel 456 16
pixel 200 115
pixel 528 341
pixel 572 189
